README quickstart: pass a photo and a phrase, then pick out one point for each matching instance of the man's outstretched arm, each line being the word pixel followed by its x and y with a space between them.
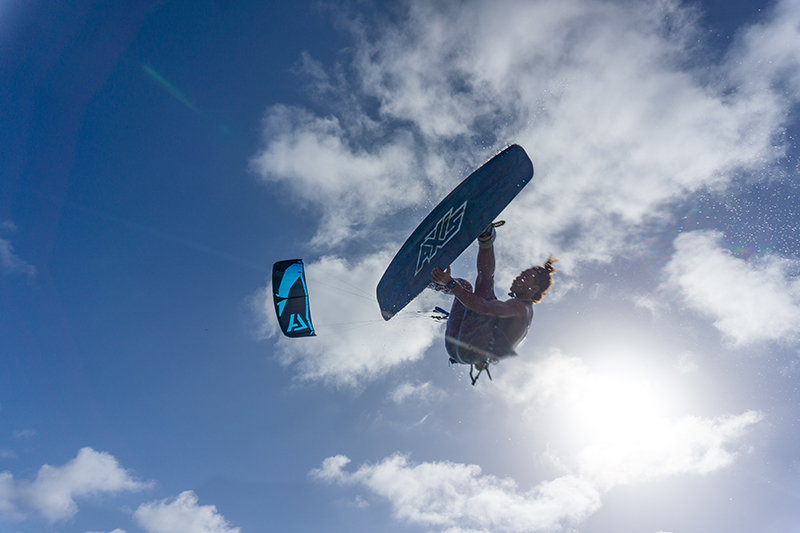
pixel 473 302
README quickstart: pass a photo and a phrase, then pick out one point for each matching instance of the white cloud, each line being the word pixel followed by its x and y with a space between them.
pixel 263 309
pixel 353 343
pixel 768 53
pixel 618 431
pixel 661 447
pixel 622 109
pixel 748 301
pixel 55 488
pixel 456 497
pixel 599 93
pixel 8 494
pixel 115 531
pixel 24 434
pixel 181 515
pixel 650 303
pixel 424 391
pixel 351 186
pixel 13 264
pixel 686 364
pixel 360 503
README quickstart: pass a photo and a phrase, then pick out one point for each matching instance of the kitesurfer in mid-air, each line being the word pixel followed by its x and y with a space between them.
pixel 482 329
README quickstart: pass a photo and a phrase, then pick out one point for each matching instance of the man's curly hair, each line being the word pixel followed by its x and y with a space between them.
pixel 542 278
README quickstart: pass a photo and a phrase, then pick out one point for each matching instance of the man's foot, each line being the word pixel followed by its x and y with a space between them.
pixel 487 236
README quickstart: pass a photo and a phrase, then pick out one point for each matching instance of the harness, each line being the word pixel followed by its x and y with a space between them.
pixel 481 367
pixel 487 359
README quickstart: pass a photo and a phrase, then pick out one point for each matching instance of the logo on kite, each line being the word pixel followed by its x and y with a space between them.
pixel 290 294
pixel 444 230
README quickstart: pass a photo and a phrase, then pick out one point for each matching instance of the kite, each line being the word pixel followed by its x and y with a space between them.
pixel 290 294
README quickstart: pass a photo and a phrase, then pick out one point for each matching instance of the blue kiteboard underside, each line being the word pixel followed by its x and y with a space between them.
pixel 452 225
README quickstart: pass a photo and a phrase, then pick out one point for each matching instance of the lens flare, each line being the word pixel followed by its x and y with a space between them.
pixel 171 89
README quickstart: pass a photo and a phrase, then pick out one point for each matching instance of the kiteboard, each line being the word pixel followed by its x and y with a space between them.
pixel 452 226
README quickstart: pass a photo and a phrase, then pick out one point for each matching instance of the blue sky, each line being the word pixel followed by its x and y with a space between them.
pixel 157 158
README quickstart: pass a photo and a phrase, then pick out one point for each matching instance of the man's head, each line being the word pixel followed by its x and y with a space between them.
pixel 532 284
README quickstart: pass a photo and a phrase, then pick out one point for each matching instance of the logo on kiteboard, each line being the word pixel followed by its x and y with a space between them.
pixel 444 230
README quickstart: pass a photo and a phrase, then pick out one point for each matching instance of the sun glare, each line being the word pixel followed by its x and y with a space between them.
pixel 620 400
pixel 612 404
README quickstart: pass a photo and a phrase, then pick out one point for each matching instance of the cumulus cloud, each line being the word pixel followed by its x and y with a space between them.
pixel 768 54
pixel 115 531
pixel 456 497
pixel 353 342
pixel 613 100
pixel 350 186
pixel 620 432
pixel 8 494
pixel 181 515
pixel 623 109
pixel 748 301
pixel 55 488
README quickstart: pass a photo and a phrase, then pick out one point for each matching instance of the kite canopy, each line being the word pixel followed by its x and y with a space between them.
pixel 290 294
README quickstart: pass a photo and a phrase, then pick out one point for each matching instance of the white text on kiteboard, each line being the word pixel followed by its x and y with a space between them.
pixel 444 230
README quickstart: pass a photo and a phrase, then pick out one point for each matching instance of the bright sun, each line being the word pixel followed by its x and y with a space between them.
pixel 616 406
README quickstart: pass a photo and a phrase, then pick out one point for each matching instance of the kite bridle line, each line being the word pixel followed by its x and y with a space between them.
pixel 363 323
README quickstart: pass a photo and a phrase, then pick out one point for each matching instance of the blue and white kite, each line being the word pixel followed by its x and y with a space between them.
pixel 290 293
